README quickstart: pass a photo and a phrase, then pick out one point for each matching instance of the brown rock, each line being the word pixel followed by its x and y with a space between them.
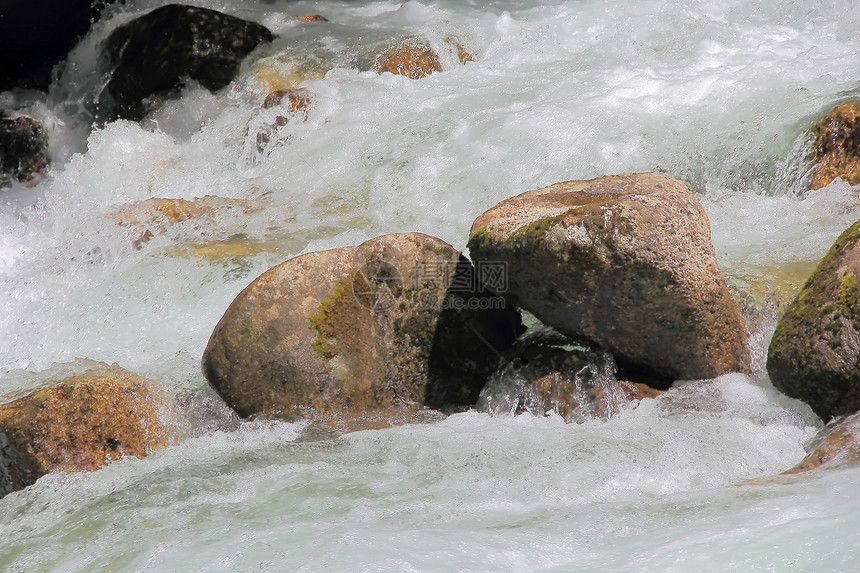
pixel 542 374
pixel 311 18
pixel 835 446
pixel 415 60
pixel 625 261
pixel 152 216
pixel 80 423
pixel 346 330
pixel 813 355
pixel 836 148
pixel 294 101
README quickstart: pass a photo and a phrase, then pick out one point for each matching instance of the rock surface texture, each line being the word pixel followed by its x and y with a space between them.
pixel 578 384
pixel 813 355
pixel 80 423
pixel 836 147
pixel 624 261
pixel 346 330
pixel 836 446
pixel 152 54
pixel 23 149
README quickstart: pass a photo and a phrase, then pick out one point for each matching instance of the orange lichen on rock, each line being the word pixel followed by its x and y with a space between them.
pixel 80 423
pixel 311 18
pixel 152 216
pixel 415 60
pixel 836 149
pixel 297 100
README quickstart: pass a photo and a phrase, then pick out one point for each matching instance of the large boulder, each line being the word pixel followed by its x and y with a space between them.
pixel 813 355
pixel 624 261
pixel 348 330
pixel 23 149
pixel 836 146
pixel 81 423
pixel 153 53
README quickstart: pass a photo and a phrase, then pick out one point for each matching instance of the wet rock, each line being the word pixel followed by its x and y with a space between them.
pixel 332 425
pixel 311 18
pixel 150 217
pixel 836 445
pixel 80 423
pixel 152 54
pixel 293 102
pixel 624 261
pixel 813 355
pixel 836 146
pixel 546 372
pixel 285 72
pixel 23 150
pixel 415 59
pixel 347 330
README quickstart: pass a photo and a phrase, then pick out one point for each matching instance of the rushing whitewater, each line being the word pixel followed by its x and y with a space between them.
pixel 714 93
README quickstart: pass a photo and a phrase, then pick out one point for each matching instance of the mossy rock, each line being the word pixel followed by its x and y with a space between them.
pixel 835 149
pixel 813 355
pixel 624 261
pixel 350 331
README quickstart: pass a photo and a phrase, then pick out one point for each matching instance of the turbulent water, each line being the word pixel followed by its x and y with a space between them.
pixel 716 93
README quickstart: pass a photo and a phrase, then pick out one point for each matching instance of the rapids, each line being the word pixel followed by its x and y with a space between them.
pixel 716 93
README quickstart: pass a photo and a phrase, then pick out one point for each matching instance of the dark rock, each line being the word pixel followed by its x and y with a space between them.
pixel 625 262
pixel 836 147
pixel 346 331
pixel 152 54
pixel 813 355
pixel 474 329
pixel 80 423
pixel 23 150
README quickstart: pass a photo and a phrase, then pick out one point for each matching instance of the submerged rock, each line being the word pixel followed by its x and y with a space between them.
pixel 150 217
pixel 836 445
pixel 285 72
pixel 577 383
pixel 311 18
pixel 813 355
pixel 152 54
pixel 23 149
pixel 836 147
pixel 293 103
pixel 415 59
pixel 345 330
pixel 625 261
pixel 80 423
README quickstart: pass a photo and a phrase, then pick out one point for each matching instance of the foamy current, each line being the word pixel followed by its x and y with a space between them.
pixel 716 93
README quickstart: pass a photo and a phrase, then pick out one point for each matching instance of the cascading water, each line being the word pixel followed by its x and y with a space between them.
pixel 717 94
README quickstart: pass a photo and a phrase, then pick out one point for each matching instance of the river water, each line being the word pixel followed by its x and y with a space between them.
pixel 716 93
